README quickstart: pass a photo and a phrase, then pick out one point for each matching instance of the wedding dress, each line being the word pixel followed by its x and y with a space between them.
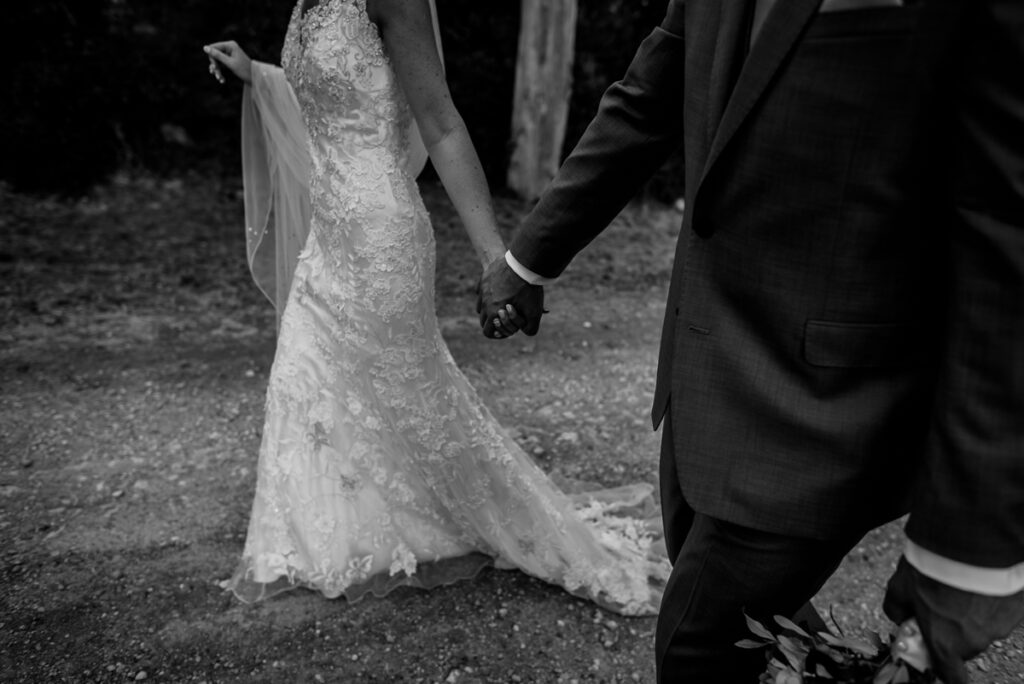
pixel 379 465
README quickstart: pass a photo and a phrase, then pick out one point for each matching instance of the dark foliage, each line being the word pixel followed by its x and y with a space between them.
pixel 96 85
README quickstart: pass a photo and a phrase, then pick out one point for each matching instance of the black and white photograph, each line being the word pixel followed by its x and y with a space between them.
pixel 533 341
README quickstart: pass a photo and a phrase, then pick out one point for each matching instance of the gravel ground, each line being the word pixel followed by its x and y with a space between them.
pixel 133 360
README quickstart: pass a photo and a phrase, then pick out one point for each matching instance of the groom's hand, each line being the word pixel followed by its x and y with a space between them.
pixel 956 625
pixel 507 303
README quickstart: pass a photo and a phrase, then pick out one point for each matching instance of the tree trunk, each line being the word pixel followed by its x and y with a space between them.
pixel 547 36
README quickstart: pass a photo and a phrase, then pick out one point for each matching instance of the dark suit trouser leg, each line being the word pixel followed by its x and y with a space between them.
pixel 721 570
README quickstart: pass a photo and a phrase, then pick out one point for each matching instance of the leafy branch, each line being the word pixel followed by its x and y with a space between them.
pixel 797 657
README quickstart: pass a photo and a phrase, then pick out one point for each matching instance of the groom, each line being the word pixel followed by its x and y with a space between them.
pixel 844 335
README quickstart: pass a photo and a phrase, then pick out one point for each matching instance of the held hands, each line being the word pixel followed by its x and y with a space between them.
pixel 229 54
pixel 507 303
pixel 956 625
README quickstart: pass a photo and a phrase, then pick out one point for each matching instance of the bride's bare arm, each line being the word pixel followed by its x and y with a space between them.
pixel 408 34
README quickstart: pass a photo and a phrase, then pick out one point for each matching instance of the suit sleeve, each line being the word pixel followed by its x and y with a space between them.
pixel 637 126
pixel 970 505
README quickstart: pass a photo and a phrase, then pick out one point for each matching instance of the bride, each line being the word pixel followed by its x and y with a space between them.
pixel 379 465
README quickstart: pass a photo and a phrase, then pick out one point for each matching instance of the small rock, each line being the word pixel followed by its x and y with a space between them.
pixel 546 411
pixel 142 675
pixel 568 437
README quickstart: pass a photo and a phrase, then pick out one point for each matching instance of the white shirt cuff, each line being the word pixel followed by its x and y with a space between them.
pixel 525 273
pixel 977 580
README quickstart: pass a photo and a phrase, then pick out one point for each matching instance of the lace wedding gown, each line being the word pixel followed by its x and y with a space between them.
pixel 380 466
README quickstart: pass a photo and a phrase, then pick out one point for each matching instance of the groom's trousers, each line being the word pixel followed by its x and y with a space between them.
pixel 721 570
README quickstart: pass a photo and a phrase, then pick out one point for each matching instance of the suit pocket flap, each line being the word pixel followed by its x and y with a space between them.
pixel 833 344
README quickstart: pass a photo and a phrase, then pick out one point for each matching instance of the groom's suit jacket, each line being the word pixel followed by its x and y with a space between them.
pixel 828 334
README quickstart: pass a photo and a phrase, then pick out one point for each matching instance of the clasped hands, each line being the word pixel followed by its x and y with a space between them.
pixel 506 303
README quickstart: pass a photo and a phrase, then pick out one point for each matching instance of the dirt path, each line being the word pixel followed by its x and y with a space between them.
pixel 133 361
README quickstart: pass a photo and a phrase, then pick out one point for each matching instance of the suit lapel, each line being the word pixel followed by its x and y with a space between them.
pixel 776 39
pixel 730 24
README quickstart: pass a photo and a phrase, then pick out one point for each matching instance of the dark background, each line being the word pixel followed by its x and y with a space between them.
pixel 102 85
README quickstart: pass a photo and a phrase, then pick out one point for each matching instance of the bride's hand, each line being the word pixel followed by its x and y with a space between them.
pixel 232 56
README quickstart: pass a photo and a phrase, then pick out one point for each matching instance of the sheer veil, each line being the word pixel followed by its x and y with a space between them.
pixel 275 175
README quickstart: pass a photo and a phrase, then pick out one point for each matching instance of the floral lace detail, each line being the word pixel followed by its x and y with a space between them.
pixel 379 463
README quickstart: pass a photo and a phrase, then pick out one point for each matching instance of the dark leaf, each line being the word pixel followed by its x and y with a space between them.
pixel 757 628
pixel 752 643
pixel 832 617
pixel 830 639
pixel 786 623
pixel 795 652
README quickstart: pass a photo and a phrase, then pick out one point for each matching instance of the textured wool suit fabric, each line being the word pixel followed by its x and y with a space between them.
pixel 846 309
